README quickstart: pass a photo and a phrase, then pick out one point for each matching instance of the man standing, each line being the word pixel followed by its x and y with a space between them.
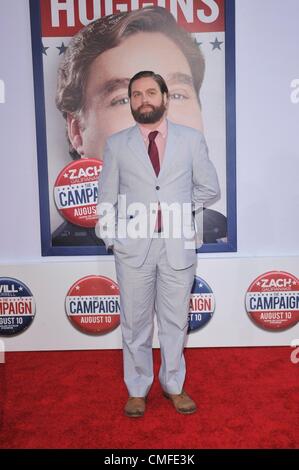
pixel 148 168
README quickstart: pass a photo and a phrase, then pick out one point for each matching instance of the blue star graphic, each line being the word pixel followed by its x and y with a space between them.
pixel 44 49
pixel 216 44
pixel 62 48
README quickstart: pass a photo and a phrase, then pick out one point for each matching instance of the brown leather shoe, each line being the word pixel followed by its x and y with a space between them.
pixel 135 407
pixel 182 402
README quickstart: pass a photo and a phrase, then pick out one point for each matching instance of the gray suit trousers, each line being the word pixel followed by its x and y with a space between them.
pixel 154 287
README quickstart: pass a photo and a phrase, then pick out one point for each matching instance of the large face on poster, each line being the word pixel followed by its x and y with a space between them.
pixel 84 54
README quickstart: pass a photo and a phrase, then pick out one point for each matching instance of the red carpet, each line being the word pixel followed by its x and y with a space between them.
pixel 247 398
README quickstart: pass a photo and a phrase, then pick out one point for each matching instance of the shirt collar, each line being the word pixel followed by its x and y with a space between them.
pixel 162 128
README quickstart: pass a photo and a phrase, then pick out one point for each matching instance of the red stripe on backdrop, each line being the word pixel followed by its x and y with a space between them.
pixel 64 19
pixel 247 398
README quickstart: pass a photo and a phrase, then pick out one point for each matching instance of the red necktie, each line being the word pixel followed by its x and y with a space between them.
pixel 153 151
pixel 154 156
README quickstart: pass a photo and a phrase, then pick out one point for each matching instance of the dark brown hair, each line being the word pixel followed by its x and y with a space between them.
pixel 155 76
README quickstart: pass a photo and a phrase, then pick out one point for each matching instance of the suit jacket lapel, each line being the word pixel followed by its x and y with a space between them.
pixel 136 144
pixel 170 148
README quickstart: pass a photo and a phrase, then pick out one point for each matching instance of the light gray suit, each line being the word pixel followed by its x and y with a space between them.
pixel 154 272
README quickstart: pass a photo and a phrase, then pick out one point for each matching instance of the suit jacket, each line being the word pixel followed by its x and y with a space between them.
pixel 187 179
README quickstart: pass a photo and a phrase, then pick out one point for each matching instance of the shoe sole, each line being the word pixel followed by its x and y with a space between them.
pixel 134 415
pixel 189 412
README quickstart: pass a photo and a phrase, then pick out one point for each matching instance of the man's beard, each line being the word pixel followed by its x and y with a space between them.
pixel 149 117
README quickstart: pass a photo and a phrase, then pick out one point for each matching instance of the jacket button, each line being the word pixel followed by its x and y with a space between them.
pixel 157 187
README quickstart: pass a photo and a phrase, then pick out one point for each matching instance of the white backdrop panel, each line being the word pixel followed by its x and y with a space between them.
pixel 229 326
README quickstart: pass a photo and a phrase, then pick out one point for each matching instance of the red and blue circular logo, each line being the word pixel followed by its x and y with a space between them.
pixel 202 304
pixel 76 191
pixel 272 300
pixel 17 306
pixel 92 305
